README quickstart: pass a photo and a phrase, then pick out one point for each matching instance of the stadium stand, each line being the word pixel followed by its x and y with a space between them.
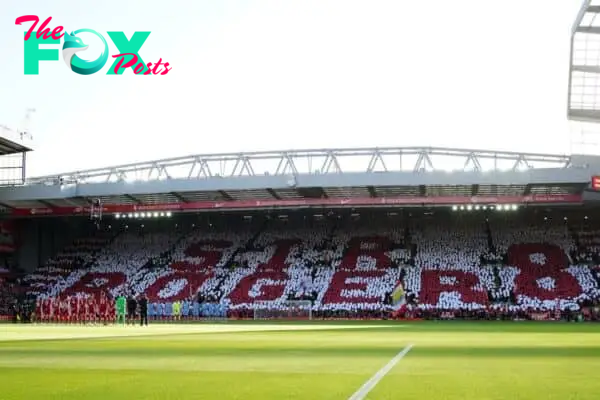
pixel 449 266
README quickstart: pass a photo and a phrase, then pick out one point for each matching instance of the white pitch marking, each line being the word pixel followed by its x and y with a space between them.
pixel 361 393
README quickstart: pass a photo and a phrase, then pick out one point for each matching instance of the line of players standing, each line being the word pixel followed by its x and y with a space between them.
pixel 100 308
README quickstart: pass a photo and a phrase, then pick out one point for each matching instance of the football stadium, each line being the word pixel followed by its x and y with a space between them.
pixel 329 273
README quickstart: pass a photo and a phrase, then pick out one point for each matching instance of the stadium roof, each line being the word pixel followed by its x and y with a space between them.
pixel 314 162
pixel 322 178
pixel 584 74
pixel 8 147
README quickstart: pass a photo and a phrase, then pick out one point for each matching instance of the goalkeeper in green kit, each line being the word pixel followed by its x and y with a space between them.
pixel 121 306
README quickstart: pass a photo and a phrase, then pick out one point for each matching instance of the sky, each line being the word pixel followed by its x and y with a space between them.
pixel 250 75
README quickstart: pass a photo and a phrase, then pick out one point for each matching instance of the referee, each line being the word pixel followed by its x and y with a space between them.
pixel 143 302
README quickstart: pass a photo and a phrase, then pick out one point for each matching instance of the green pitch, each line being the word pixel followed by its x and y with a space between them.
pixel 453 360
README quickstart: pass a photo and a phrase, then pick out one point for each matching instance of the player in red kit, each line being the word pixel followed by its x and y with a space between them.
pixel 58 310
pixel 112 310
pixel 94 309
pixel 46 310
pixel 86 310
pixel 66 310
pixel 54 311
pixel 80 309
pixel 103 308
pixel 73 309
pixel 62 310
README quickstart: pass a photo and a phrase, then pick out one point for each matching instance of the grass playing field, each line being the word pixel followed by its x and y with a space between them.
pixel 448 360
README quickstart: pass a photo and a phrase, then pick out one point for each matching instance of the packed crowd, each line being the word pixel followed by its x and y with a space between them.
pixel 49 279
pixel 6 296
pixel 465 268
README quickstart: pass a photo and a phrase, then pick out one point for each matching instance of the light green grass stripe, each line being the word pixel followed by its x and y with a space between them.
pixel 59 332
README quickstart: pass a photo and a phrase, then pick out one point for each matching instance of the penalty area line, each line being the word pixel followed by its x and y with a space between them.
pixel 361 393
